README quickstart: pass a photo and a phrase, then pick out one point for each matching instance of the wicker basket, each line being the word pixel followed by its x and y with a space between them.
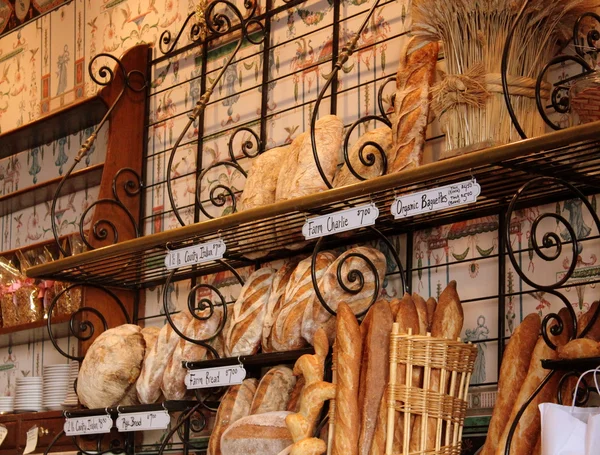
pixel 445 367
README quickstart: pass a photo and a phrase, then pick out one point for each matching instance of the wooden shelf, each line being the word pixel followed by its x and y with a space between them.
pixel 60 123
pixel 34 331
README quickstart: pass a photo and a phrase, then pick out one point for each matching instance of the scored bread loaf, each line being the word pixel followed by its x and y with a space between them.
pixel 515 363
pixel 262 434
pixel 150 335
pixel 275 302
pixel 421 307
pixel 381 136
pixel 235 404
pixel 287 330
pixel 316 316
pixel 431 306
pixel 579 348
pixel 375 330
pixel 347 357
pixel 157 358
pixel 394 305
pixel 243 331
pixel 288 168
pixel 274 390
pixel 414 79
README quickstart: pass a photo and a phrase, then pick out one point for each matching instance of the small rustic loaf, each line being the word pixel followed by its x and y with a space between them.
pixel 157 358
pixel 316 316
pixel 235 404
pixel 243 331
pixel 262 434
pixel 579 348
pixel 299 292
pixel 274 390
pixel 111 367
pixel 381 136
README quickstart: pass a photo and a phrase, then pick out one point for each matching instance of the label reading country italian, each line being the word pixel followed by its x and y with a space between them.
pixel 88 425
pixel 441 198
pixel 215 377
pixel 197 254
pixel 342 221
pixel 142 421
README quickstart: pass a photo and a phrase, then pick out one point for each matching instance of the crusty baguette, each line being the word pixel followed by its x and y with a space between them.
pixel 273 391
pixel 538 447
pixel 431 306
pixel 309 446
pixel 421 307
pixel 347 353
pixel 513 371
pixel 394 305
pixel 235 404
pixel 378 442
pixel 584 321
pixel 579 348
pixel 375 330
pixel 303 423
pixel 294 402
pixel 411 106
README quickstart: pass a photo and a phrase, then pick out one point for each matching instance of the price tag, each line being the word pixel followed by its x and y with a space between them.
pixel 3 433
pixel 32 440
pixel 141 421
pixel 342 221
pixel 215 377
pixel 197 254
pixel 436 199
pixel 88 425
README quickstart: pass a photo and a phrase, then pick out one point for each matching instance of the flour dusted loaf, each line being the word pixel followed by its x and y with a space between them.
pixel 157 358
pixel 243 331
pixel 274 390
pixel 111 367
pixel 288 169
pixel 262 434
pixel 381 136
pixel 316 316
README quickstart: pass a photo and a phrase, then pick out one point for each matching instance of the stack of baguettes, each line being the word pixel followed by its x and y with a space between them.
pixel 521 373
pixel 361 355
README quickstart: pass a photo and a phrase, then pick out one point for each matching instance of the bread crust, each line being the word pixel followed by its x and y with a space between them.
pixel 273 391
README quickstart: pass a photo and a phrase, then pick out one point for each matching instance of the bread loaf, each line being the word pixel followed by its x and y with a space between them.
pixel 294 403
pixel 299 292
pixel 381 136
pixel 515 363
pixel 309 446
pixel 157 358
pixel 235 404
pixel 262 434
pixel 414 79
pixel 288 168
pixel 243 331
pixel 347 358
pixel 111 367
pixel 273 391
pixel 378 442
pixel 276 298
pixel 394 305
pixel 594 332
pixel 421 308
pixel 303 423
pixel 316 316
pixel 431 306
pixel 579 348
pixel 150 335
pixel 375 329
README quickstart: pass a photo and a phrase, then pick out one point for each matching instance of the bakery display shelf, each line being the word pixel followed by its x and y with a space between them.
pixel 34 331
pixel 584 364
pixel 168 405
pixel 267 359
pixel 571 154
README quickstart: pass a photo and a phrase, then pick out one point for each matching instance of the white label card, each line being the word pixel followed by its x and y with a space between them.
pixel 197 254
pixel 441 198
pixel 88 425
pixel 215 377
pixel 32 440
pixel 3 433
pixel 342 221
pixel 141 421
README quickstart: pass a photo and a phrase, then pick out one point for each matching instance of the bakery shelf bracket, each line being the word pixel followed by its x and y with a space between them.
pixel 549 245
pixel 127 183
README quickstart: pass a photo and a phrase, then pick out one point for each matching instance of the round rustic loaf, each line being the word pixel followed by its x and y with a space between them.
pixel 111 367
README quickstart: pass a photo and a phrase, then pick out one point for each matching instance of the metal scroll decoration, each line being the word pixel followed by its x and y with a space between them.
pixel 549 247
pixel 219 18
pixel 80 328
pixel 201 306
pixel 133 80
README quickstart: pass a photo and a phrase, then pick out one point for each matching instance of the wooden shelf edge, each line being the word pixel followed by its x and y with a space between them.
pixel 30 416
pixel 34 325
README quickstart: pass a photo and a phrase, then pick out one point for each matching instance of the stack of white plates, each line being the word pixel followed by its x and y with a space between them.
pixel 56 384
pixel 71 398
pixel 7 404
pixel 28 396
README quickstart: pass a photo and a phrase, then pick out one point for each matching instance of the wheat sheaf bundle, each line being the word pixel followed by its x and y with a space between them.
pixel 469 100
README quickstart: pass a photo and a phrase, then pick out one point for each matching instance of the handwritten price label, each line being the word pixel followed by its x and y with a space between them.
pixel 342 221
pixel 441 198
pixel 142 421
pixel 197 254
pixel 88 425
pixel 215 377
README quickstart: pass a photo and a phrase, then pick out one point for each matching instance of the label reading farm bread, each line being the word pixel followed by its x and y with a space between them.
pixel 215 377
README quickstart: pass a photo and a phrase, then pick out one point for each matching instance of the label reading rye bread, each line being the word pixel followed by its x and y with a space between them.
pixel 443 197
pixel 141 421
pixel 88 425
pixel 197 254
pixel 215 377
pixel 342 221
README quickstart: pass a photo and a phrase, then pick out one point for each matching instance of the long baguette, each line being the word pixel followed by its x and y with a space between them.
pixel 513 371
